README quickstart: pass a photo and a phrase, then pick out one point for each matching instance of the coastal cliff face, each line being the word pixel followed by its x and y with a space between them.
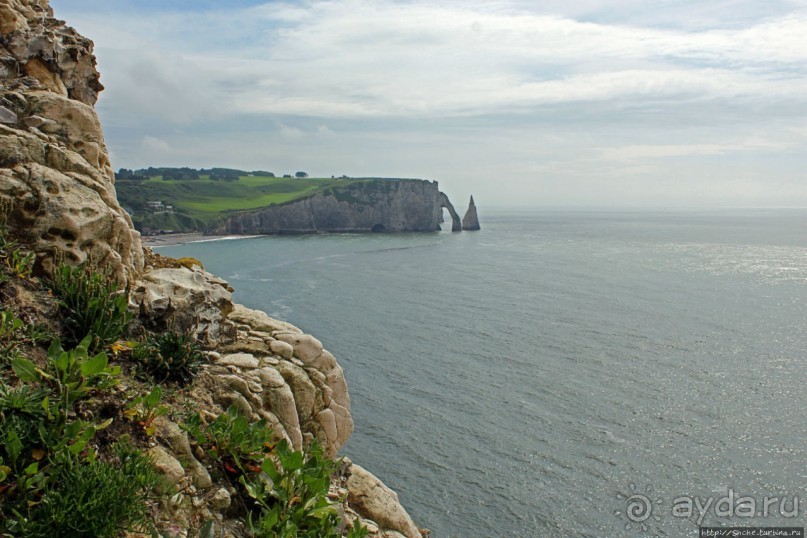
pixel 57 200
pixel 360 206
pixel 56 182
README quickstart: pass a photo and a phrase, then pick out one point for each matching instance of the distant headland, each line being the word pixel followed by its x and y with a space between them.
pixel 225 201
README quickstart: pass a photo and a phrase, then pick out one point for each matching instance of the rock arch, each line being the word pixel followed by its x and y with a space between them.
pixel 444 202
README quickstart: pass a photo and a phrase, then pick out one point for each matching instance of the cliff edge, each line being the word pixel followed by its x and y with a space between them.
pixel 377 205
pixel 58 202
pixel 56 181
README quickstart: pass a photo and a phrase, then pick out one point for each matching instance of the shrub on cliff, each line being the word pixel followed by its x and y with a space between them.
pixel 53 482
pixel 94 498
pixel 284 491
pixel 170 356
pixel 90 305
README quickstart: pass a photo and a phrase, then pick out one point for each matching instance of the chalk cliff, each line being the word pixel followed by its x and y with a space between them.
pixel 58 201
pixel 378 205
pixel 55 178
pixel 470 221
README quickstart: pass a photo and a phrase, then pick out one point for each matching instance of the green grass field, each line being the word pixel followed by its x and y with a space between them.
pixel 199 202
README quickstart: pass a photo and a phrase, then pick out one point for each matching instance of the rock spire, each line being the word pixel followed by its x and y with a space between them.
pixel 470 221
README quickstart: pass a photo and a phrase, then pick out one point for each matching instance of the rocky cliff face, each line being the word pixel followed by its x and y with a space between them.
pixel 57 199
pixel 362 206
pixel 470 221
pixel 56 182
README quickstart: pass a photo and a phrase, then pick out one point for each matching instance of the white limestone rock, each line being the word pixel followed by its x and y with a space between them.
pixel 166 464
pixel 182 299
pixel 374 500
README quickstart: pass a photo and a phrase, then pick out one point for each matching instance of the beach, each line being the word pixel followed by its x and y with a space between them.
pixel 165 240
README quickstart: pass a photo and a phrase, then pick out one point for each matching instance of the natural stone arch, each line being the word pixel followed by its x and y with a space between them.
pixel 456 221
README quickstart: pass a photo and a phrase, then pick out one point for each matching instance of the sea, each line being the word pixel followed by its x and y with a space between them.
pixel 562 373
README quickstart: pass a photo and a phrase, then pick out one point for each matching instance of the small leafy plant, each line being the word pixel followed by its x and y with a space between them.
pixel 286 489
pixel 71 374
pixel 90 305
pixel 10 329
pixel 146 409
pixel 21 416
pixel 20 263
pixel 239 445
pixel 14 332
pixel 9 324
pixel 52 482
pixel 292 495
pixel 170 356
pixel 14 261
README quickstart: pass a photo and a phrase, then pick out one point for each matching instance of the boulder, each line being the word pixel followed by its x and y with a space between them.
pixel 7 116
pixel 260 321
pixel 305 393
pixel 166 464
pixel 170 433
pixel 373 500
pixel 306 347
pixel 282 349
pixel 183 300
pixel 240 360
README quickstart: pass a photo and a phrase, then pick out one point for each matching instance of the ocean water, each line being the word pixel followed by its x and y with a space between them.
pixel 562 373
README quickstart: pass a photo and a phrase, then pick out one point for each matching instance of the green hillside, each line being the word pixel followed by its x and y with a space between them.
pixel 198 202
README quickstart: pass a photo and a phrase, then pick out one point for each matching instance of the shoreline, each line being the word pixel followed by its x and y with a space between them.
pixel 168 240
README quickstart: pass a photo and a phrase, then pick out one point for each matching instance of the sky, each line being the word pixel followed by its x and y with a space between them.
pixel 625 103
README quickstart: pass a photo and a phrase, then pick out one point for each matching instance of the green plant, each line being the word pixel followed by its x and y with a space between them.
pixel 21 416
pixel 36 333
pixel 90 305
pixel 22 492
pixel 20 263
pixel 14 261
pixel 52 482
pixel 72 375
pixel 4 471
pixel 292 495
pixel 10 329
pixel 94 498
pixel 14 332
pixel 145 409
pixel 287 489
pixel 9 324
pixel 170 356
pixel 231 439
pixel 357 531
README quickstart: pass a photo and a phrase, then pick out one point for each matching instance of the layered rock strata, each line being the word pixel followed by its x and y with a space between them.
pixel 406 205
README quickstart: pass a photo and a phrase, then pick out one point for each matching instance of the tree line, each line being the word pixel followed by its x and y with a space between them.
pixel 186 173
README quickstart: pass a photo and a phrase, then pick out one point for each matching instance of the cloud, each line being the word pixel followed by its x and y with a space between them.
pixel 152 144
pixel 555 98
pixel 664 151
pixel 356 58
